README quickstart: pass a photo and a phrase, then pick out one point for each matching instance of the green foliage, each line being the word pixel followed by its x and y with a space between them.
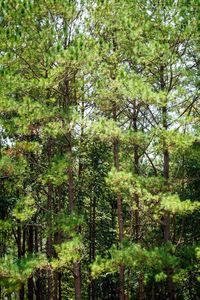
pixel 67 224
pixel 105 130
pixel 85 86
pixel 25 208
pixel 56 174
pixel 14 272
pixel 121 182
pixel 173 204
pixel 151 262
pixel 68 253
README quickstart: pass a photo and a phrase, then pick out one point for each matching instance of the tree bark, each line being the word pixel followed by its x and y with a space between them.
pixel 49 225
pixel 20 255
pixel 166 217
pixel 68 102
pixel 140 290
pixel 77 280
pixel 136 170
pixel 119 209
pixel 92 242
pixel 30 250
pixel 77 265
pixel 38 280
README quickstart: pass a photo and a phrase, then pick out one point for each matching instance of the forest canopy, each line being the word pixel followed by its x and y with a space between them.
pixel 99 149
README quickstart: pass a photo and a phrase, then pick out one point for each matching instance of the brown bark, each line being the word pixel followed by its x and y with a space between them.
pixel 136 170
pixel 49 221
pixel 30 250
pixel 57 241
pixel 49 225
pixel 68 102
pixel 166 216
pixel 92 243
pixel 77 283
pixel 38 280
pixel 21 292
pixel 77 265
pixel 140 289
pixel 119 209
pixel 20 255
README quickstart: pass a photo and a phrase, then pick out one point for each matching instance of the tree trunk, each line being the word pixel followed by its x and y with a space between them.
pixel 166 217
pixel 38 288
pixel 30 250
pixel 92 243
pixel 140 289
pixel 136 170
pixel 20 255
pixel 77 272
pixel 119 209
pixel 77 265
pixel 49 225
pixel 57 241
pixel 49 244
pixel 68 102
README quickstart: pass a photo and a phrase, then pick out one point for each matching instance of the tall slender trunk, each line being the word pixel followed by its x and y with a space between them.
pixel 92 242
pixel 59 279
pixel 119 209
pixel 166 217
pixel 21 292
pixel 30 230
pixel 49 225
pixel 30 250
pixel 49 243
pixel 57 241
pixel 136 170
pixel 140 290
pixel 77 265
pixel 38 280
pixel 20 255
pixel 69 100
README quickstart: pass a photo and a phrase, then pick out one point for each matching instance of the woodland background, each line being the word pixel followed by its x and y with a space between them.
pixel 99 149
